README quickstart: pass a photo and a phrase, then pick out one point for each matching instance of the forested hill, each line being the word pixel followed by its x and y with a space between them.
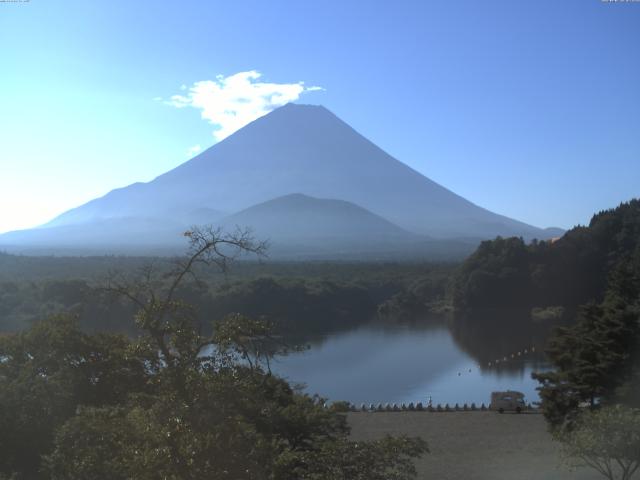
pixel 573 270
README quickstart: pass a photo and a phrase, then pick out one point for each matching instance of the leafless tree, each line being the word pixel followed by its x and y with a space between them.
pixel 169 322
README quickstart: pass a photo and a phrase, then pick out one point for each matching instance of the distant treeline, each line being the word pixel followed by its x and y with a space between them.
pixel 511 293
pixel 502 274
pixel 298 298
pixel 568 272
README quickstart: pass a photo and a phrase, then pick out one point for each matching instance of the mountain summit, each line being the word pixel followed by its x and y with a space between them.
pixel 294 149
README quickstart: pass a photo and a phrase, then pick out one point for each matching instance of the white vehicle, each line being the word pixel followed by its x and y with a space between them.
pixel 509 401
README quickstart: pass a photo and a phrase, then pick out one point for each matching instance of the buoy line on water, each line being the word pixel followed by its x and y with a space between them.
pixel 512 356
pixel 506 358
pixel 429 407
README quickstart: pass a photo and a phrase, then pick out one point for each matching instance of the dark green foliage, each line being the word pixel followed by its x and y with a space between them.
pixel 237 423
pixel 592 359
pixel 173 404
pixel 568 272
pixel 299 299
pixel 387 459
pixel 114 413
pixel 606 440
pixel 494 276
pixel 23 303
pixel 317 305
pixel 597 360
pixel 421 298
pixel 45 373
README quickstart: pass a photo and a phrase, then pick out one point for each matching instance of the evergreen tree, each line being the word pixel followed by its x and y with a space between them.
pixel 596 359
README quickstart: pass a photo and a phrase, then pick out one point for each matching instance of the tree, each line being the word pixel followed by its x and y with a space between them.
pixel 49 370
pixel 572 271
pixel 607 440
pixel 179 404
pixel 596 359
pixel 592 358
pixel 168 323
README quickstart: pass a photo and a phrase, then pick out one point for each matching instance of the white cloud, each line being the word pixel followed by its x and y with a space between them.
pixel 229 103
pixel 193 151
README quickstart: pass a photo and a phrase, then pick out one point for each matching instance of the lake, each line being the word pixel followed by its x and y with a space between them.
pixel 396 364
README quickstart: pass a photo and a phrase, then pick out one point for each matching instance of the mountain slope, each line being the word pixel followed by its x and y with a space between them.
pixel 298 226
pixel 298 148
pixel 303 220
pixel 135 234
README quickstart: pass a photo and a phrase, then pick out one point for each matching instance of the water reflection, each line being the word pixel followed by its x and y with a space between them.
pixel 492 335
pixel 378 364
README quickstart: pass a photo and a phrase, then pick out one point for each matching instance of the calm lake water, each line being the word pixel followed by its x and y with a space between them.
pixel 375 364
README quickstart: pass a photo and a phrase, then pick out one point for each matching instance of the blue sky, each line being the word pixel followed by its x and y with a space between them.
pixel 529 108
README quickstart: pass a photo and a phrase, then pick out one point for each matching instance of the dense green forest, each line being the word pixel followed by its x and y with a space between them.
pixel 568 272
pixel 296 297
pixel 509 291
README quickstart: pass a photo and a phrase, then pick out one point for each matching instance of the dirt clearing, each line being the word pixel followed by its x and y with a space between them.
pixel 475 445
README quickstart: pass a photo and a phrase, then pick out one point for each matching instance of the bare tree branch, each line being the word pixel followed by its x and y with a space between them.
pixel 158 311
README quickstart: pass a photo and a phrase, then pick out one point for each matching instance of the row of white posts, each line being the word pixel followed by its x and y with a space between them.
pixel 419 407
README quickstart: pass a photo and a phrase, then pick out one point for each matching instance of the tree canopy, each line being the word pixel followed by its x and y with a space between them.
pixel 173 403
pixel 607 440
pixel 597 360
pixel 570 271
